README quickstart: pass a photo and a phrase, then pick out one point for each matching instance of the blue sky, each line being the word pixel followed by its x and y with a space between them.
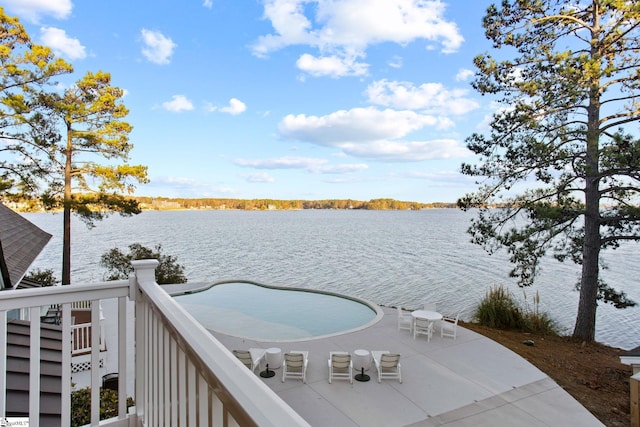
pixel 284 99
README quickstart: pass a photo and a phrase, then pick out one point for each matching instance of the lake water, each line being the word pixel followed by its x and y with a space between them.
pixel 387 257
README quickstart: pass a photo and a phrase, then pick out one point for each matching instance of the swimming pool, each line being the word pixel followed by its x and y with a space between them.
pixel 269 313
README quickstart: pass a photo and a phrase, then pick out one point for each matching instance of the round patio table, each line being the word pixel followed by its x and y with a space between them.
pixel 429 315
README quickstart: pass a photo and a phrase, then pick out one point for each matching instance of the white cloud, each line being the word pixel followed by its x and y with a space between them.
pixel 345 29
pixel 332 66
pixel 208 4
pixel 34 10
pixel 290 24
pixel 428 97
pixel 357 124
pixel 442 178
pixel 61 44
pixel 259 177
pixel 340 169
pixel 235 107
pixel 464 74
pixel 171 186
pixel 395 62
pixel 158 48
pixel 281 163
pixel 178 103
pixel 407 151
pixel 373 134
pixel 313 165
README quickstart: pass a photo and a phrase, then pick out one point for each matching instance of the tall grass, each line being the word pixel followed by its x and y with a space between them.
pixel 499 309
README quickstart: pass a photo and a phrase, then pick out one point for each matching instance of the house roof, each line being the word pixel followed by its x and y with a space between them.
pixel 631 357
pixel 20 243
pixel 633 352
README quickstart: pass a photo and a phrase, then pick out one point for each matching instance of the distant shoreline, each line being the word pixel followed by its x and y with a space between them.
pixel 175 204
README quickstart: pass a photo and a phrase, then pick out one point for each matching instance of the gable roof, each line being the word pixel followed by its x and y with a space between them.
pixel 21 242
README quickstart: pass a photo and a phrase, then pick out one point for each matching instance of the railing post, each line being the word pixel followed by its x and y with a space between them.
pixel 144 271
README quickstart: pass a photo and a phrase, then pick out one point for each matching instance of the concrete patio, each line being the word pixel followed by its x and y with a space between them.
pixel 470 381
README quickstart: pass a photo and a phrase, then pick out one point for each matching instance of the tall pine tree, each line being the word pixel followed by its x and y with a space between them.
pixel 560 166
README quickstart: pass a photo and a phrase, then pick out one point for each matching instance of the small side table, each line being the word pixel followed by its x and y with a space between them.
pixel 273 357
pixel 361 363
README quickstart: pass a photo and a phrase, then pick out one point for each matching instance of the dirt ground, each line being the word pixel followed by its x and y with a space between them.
pixel 591 373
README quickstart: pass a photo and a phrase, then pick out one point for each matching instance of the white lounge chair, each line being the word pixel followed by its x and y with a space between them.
pixel 449 326
pixel 295 365
pixel 423 327
pixel 340 366
pixel 251 358
pixel 387 365
pixel 405 321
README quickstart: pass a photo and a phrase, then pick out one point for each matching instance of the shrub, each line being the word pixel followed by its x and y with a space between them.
pixel 498 309
pixel 119 266
pixel 44 277
pixel 537 322
pixel 81 405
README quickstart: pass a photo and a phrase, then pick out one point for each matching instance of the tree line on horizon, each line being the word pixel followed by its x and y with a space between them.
pixel 165 203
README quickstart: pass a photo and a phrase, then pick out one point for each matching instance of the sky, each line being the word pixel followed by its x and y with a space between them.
pixel 284 99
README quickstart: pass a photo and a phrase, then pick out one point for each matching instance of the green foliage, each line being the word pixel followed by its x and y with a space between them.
pixel 26 69
pixel 498 309
pixel 70 148
pixel 44 277
pixel 119 267
pixel 559 163
pixel 81 405
pixel 93 115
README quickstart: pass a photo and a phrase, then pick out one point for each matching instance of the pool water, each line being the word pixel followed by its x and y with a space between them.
pixel 264 313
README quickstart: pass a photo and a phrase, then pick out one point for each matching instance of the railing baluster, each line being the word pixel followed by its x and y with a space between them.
pixel 34 367
pixel 166 377
pixel 174 383
pixel 217 409
pixel 191 393
pixel 95 362
pixel 122 357
pixel 140 355
pixel 203 402
pixel 160 375
pixel 67 340
pixel 182 388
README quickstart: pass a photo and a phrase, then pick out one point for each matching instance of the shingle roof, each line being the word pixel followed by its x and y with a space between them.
pixel 21 243
pixel 635 352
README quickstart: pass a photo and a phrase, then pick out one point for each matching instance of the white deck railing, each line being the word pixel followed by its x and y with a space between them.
pixel 81 338
pixel 183 375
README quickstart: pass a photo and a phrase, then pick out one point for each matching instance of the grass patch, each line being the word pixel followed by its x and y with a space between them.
pixel 499 309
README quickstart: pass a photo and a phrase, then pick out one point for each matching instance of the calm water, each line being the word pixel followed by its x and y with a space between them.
pixel 258 312
pixel 388 257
